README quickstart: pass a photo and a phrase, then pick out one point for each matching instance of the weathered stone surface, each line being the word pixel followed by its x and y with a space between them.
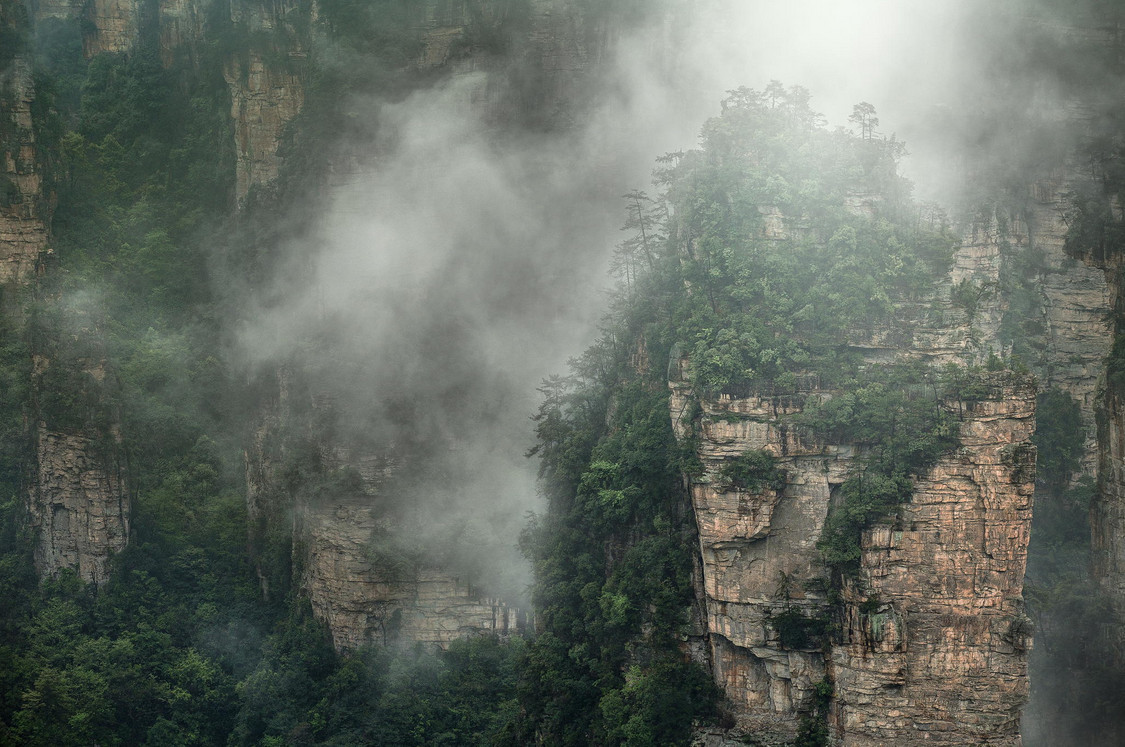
pixel 114 26
pixel 943 659
pixel 181 26
pixel 364 601
pixel 753 544
pixel 936 662
pixel 264 98
pixel 24 210
pixel 1073 334
pixel 79 506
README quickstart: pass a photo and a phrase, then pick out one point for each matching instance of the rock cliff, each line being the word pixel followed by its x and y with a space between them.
pixel 365 599
pixel 267 84
pixel 933 650
pixel 362 598
pixel 24 208
pixel 77 501
pixel 79 506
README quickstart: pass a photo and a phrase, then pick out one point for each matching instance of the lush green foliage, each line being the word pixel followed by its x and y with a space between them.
pixel 613 569
pixel 1060 437
pixel 767 250
pixel 753 471
pixel 896 416
pixel 784 264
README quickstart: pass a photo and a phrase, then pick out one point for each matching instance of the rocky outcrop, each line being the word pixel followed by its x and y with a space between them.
pixel 114 26
pixel 366 597
pixel 940 655
pixel 79 507
pixel 107 25
pixel 931 641
pixel 367 583
pixel 365 578
pixel 77 502
pixel 1060 321
pixel 267 84
pixel 24 209
pixel 264 99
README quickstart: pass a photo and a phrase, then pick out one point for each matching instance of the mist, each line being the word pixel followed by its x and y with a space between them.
pixel 460 262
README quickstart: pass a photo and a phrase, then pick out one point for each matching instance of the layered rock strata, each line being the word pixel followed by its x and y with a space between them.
pixel 107 25
pixel 24 210
pixel 77 502
pixel 365 598
pixel 264 99
pixel 932 641
pixel 940 656
pixel 79 506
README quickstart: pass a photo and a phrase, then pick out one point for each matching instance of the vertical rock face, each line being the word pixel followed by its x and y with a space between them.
pixel 114 26
pixel 264 98
pixel 1107 513
pixel 267 88
pixel 367 599
pixel 108 25
pixel 76 502
pixel 363 596
pixel 181 25
pixel 1068 331
pixel 24 212
pixel 373 591
pixel 941 658
pixel 934 649
pixel 79 508
pixel 361 580
pixel 938 654
pixel 759 556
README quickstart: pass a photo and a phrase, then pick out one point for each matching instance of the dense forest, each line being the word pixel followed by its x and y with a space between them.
pixel 769 256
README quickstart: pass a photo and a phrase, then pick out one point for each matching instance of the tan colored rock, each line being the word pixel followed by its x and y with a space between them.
pixel 109 25
pixel 181 25
pixel 943 660
pixel 1076 298
pixel 364 601
pixel 115 26
pixel 79 506
pixel 24 210
pixel 937 662
pixel 264 99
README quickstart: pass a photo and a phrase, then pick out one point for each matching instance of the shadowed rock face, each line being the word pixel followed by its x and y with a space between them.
pixel 77 500
pixel 941 658
pixel 365 602
pixel 79 508
pixel 24 216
